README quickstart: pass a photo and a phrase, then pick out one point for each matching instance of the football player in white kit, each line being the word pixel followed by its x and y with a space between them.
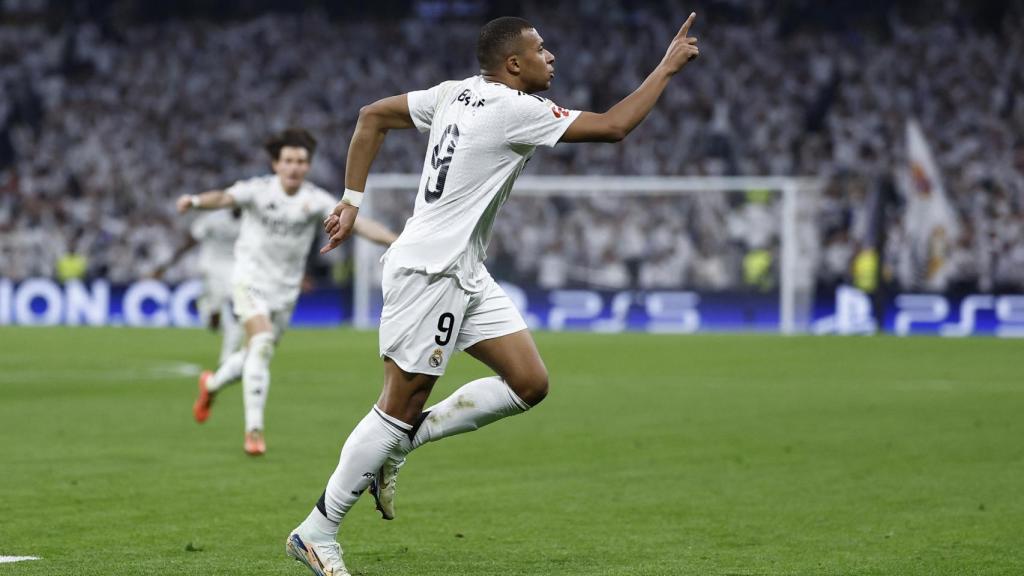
pixel 215 234
pixel 438 296
pixel 280 216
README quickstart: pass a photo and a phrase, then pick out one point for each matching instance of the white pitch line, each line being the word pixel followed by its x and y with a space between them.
pixel 162 371
pixel 177 369
pixel 9 559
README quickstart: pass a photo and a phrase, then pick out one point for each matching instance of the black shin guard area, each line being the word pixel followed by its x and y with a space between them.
pixel 321 504
pixel 416 426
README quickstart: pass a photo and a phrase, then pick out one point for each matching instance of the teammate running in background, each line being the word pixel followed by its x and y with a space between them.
pixel 280 216
pixel 438 296
pixel 215 234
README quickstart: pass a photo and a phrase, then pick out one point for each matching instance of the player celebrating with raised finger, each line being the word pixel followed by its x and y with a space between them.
pixel 438 295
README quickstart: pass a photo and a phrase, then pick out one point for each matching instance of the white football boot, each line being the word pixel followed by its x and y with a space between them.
pixel 323 558
pixel 384 485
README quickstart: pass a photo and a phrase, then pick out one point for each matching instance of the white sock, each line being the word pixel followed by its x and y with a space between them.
pixel 256 379
pixel 231 334
pixel 322 528
pixel 472 406
pixel 229 371
pixel 366 448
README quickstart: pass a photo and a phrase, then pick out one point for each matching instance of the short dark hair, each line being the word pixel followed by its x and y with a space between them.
pixel 497 39
pixel 293 137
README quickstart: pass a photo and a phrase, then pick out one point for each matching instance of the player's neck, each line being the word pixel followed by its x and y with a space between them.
pixel 509 80
pixel 289 191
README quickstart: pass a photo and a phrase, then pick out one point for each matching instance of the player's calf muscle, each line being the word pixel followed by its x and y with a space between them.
pixel 531 384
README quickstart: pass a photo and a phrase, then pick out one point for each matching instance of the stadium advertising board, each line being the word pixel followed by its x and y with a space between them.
pixel 852 312
pixel 146 303
pixel 848 311
pixel 151 303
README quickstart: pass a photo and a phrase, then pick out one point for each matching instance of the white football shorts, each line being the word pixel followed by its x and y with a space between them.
pixel 426 318
pixel 250 301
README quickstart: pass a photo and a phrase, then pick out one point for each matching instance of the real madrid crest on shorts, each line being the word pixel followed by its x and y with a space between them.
pixel 436 358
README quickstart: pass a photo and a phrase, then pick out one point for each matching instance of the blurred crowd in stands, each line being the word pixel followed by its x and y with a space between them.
pixel 107 113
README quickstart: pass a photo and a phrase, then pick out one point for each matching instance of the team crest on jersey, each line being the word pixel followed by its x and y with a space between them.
pixel 436 358
pixel 559 112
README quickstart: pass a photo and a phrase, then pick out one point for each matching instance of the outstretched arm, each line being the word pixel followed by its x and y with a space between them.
pixel 622 118
pixel 374 231
pixel 374 122
pixel 189 243
pixel 210 200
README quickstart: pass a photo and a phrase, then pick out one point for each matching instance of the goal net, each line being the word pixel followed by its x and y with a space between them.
pixel 657 254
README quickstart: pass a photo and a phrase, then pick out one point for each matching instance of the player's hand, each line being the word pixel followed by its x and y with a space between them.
pixel 183 203
pixel 683 48
pixel 338 225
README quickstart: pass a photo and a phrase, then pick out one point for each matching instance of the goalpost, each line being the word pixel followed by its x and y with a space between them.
pixel 390 197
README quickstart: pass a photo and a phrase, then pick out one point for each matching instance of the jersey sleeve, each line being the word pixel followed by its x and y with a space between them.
pixel 537 121
pixel 423 103
pixel 243 191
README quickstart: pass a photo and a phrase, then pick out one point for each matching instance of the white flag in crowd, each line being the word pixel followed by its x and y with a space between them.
pixel 930 222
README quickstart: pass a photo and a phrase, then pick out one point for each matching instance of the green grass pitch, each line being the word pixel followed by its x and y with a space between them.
pixel 653 455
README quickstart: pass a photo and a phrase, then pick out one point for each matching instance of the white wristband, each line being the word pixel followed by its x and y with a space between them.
pixel 352 198
pixel 193 201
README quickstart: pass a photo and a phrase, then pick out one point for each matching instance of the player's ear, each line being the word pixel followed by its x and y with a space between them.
pixel 512 65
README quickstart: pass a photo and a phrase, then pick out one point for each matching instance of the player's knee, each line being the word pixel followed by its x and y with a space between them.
pixel 261 346
pixel 531 386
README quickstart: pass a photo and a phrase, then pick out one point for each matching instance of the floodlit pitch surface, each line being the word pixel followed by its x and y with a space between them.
pixel 653 455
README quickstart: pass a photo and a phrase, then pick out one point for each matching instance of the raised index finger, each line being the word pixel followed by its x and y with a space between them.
pixel 686 26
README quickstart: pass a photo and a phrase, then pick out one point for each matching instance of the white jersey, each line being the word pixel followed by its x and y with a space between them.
pixel 216 232
pixel 481 136
pixel 276 234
